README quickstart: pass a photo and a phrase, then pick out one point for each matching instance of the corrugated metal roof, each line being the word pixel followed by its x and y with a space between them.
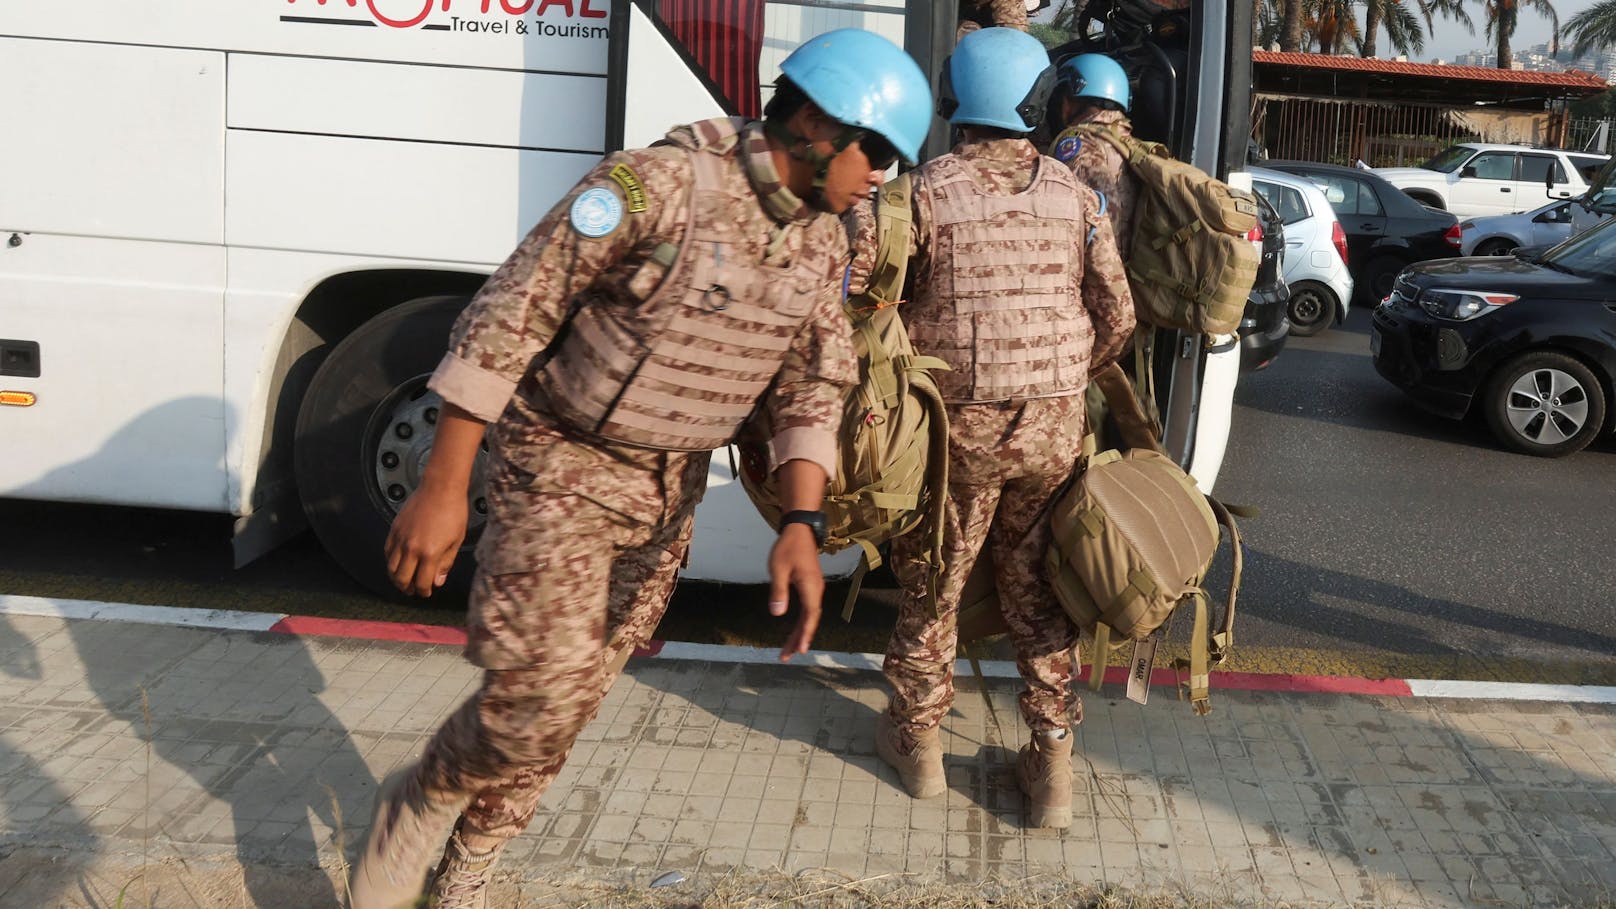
pixel 1570 79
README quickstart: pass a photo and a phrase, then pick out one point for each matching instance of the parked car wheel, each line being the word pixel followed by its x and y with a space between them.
pixel 1378 275
pixel 1313 308
pixel 1545 404
pixel 1498 246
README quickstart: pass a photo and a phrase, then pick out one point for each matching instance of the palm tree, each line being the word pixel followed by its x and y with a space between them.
pixel 1290 32
pixel 1402 27
pixel 1594 27
pixel 1331 25
pixel 1502 16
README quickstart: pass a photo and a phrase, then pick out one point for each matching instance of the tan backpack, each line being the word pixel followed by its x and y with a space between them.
pixel 1133 539
pixel 892 473
pixel 1190 264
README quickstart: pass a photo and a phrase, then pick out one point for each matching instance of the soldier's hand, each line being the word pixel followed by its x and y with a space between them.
pixel 794 565
pixel 424 539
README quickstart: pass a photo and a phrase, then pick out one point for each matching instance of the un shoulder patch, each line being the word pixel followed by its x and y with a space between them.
pixel 1067 148
pixel 596 212
pixel 633 189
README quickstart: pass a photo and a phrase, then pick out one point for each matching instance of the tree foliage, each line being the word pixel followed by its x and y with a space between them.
pixel 1504 15
pixel 1593 28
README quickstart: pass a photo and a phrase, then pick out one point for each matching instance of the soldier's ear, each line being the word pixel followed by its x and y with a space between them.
pixel 813 124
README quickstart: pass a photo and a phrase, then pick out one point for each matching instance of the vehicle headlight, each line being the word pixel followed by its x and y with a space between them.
pixel 1460 305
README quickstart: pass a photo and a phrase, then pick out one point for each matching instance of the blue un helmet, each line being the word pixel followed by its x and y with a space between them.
pixel 997 77
pixel 867 83
pixel 1095 76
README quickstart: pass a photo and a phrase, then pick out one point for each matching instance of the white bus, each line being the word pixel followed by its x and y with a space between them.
pixel 233 234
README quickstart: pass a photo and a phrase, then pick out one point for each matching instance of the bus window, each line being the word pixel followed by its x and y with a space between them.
pixel 738 44
pixel 724 37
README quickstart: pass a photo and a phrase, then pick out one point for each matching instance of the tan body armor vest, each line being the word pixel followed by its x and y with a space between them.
pixel 682 370
pixel 1002 308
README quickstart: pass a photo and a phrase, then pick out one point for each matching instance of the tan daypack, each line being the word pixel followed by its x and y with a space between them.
pixel 892 469
pixel 1133 539
pixel 1190 264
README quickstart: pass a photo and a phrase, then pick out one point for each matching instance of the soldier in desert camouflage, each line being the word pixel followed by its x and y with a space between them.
pixel 1092 93
pixel 1017 285
pixel 630 333
pixel 976 14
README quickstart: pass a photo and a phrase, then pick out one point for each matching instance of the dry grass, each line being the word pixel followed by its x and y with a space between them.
pixel 826 890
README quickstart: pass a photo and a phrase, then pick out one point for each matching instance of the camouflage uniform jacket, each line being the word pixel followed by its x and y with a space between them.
pixel 1098 164
pixel 565 263
pixel 1006 167
pixel 1000 13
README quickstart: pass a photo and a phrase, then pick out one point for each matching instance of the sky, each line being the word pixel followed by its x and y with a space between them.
pixel 1451 39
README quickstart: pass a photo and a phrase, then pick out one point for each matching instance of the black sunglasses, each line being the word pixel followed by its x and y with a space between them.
pixel 878 150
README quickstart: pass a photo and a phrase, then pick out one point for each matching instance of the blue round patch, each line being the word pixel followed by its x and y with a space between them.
pixel 596 212
pixel 1067 148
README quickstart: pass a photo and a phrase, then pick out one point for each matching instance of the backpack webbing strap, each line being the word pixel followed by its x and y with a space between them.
pixel 937 483
pixel 1144 377
pixel 1136 429
pixel 893 217
pixel 858 583
pixel 1223 640
pixel 1178 237
pixel 1200 677
pixel 1102 655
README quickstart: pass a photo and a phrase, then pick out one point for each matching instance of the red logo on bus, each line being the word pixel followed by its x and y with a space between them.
pixel 410 13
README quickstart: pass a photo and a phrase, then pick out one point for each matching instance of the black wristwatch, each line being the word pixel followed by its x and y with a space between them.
pixel 814 519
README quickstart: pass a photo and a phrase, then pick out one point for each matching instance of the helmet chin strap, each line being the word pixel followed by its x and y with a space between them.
pixel 801 149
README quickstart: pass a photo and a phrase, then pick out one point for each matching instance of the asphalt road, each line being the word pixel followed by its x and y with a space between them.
pixel 1390 543
pixel 1388 531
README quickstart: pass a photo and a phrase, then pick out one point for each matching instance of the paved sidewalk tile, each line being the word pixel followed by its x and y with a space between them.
pixel 266 748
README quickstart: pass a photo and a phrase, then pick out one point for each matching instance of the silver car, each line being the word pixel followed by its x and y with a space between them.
pixel 1499 235
pixel 1315 251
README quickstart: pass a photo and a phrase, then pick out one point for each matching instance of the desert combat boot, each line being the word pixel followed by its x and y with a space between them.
pixel 1044 772
pixel 922 768
pixel 463 876
pixel 407 831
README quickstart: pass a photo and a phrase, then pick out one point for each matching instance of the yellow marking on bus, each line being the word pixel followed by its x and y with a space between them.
pixel 18 398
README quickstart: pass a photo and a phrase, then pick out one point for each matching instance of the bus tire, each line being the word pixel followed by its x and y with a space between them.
pixel 363 431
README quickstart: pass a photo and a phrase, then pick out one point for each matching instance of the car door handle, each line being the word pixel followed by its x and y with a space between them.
pixel 1503 189
pixel 1368 225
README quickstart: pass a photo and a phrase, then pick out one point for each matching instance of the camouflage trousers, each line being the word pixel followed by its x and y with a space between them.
pixel 566 589
pixel 1005 465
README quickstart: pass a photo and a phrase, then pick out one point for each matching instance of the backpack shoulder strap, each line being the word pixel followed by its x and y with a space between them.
pixel 1134 151
pixel 1137 429
pixel 893 216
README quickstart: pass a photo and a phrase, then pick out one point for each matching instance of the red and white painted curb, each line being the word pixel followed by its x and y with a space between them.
pixel 310 626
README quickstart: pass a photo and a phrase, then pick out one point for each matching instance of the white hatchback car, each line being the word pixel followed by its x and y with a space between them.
pixel 1315 251
pixel 1475 179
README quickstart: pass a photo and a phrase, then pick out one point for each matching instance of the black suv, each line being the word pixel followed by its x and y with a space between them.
pixel 1263 326
pixel 1531 338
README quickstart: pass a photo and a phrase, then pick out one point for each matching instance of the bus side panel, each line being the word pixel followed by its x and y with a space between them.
pixel 566 36
pixel 376 197
pixel 551 111
pixel 128 407
pixel 112 141
pixel 111 154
